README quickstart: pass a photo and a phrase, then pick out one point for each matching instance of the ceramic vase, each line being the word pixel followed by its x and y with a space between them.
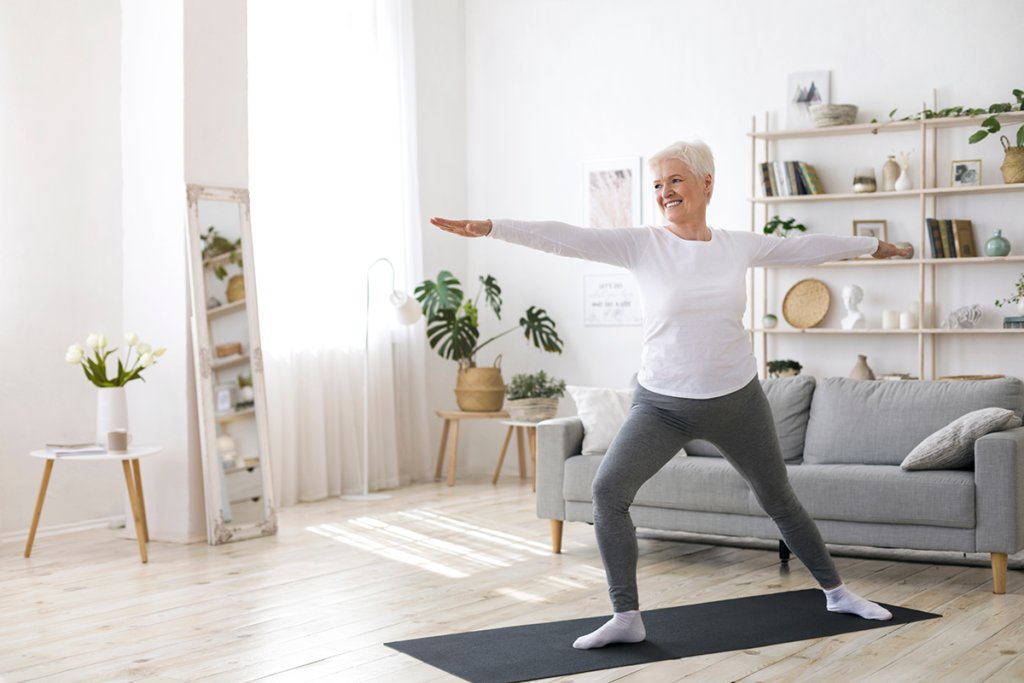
pixel 769 321
pixel 904 183
pixel 864 180
pixel 111 412
pixel 890 172
pixel 997 245
pixel 1020 307
pixel 861 369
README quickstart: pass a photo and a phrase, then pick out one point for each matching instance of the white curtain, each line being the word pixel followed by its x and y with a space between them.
pixel 332 169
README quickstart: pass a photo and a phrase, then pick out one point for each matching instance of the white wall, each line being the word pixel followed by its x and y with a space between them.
pixel 550 85
pixel 61 262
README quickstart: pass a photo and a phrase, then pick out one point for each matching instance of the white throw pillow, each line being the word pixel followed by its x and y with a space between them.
pixel 602 411
pixel 952 446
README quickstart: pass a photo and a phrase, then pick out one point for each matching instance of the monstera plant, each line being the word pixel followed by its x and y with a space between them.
pixel 453 325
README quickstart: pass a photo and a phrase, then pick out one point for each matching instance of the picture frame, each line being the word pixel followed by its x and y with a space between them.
pixel 224 399
pixel 803 89
pixel 877 228
pixel 611 193
pixel 965 173
pixel 611 300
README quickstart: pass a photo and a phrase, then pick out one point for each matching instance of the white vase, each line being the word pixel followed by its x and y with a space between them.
pixel 1020 307
pixel 904 183
pixel 111 412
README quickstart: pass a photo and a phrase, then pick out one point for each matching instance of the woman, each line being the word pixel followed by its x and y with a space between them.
pixel 698 377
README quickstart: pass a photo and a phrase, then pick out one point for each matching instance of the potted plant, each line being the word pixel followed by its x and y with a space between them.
pixel 215 245
pixel 1019 298
pixel 533 398
pixel 783 368
pixel 783 227
pixel 453 330
pixel 1013 162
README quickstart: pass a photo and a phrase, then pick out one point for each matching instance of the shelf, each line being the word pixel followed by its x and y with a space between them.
pixel 221 259
pixel 887 127
pixel 862 196
pixel 832 330
pixel 231 417
pixel 245 468
pixel 226 309
pixel 863 262
pixel 230 362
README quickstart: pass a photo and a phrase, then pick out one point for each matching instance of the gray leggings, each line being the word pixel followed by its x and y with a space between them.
pixel 742 427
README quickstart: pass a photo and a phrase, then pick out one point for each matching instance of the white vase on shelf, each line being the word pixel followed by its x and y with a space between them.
pixel 904 183
pixel 111 412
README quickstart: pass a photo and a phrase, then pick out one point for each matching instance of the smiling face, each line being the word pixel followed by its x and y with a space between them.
pixel 681 195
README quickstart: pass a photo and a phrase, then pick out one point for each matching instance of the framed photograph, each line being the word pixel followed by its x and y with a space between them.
pixel 804 89
pixel 876 229
pixel 224 398
pixel 611 193
pixel 965 173
pixel 611 300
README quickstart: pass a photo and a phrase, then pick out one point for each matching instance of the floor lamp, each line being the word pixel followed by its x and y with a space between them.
pixel 407 312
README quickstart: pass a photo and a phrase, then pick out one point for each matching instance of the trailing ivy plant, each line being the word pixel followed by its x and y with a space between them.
pixel 215 244
pixel 990 125
pixel 1018 297
pixel 453 323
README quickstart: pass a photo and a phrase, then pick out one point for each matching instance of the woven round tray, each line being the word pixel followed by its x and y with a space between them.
pixel 806 303
pixel 967 378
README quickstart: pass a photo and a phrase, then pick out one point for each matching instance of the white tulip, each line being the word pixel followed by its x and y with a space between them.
pixel 93 342
pixel 159 352
pixel 143 348
pixel 74 354
pixel 147 360
pixel 78 346
pixel 131 338
pixel 103 341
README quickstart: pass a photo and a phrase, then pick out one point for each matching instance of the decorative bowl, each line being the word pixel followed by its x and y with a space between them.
pixel 825 115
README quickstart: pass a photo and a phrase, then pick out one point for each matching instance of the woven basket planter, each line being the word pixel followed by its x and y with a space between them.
pixel 532 409
pixel 480 390
pixel 236 288
pixel 1013 164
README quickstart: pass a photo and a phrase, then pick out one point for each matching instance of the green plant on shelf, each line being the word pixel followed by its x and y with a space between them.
pixel 783 227
pixel 215 245
pixel 990 125
pixel 783 368
pixel 1019 295
pixel 538 385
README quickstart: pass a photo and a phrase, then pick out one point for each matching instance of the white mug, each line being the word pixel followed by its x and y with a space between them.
pixel 118 440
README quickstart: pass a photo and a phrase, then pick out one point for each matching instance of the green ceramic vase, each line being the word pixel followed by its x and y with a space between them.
pixel 997 245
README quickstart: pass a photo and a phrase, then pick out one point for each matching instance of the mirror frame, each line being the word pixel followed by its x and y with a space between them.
pixel 218 531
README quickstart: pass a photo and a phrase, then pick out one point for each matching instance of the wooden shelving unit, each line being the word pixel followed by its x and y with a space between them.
pixel 922 195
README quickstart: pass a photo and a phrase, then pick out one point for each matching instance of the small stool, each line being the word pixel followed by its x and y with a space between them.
pixel 531 433
pixel 451 418
pixel 132 479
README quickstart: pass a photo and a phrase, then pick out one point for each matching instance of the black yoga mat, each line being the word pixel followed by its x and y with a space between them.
pixel 523 653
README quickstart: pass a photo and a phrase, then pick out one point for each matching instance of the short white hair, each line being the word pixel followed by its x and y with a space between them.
pixel 696 155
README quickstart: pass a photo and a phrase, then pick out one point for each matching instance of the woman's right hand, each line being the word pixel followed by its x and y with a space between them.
pixel 465 228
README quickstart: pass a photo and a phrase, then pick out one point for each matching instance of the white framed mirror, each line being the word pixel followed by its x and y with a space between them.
pixel 229 366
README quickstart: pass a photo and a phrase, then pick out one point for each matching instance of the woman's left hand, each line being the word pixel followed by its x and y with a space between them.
pixel 886 250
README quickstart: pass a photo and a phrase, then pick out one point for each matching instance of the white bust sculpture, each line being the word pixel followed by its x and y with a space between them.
pixel 852 296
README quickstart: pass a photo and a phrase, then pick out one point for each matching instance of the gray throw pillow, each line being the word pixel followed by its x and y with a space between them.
pixel 952 446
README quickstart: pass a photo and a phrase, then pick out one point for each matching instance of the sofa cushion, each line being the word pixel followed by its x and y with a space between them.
pixel 952 447
pixel 885 494
pixel 879 423
pixel 602 411
pixel 790 400
pixel 707 484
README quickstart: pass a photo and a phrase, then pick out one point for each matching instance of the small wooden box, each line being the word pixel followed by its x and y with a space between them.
pixel 230 349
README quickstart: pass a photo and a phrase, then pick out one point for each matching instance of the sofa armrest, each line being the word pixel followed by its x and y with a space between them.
pixel 999 487
pixel 557 440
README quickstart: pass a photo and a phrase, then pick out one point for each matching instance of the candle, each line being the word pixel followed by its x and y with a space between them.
pixel 908 321
pixel 890 320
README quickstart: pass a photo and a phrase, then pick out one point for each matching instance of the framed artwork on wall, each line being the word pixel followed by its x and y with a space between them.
pixel 876 229
pixel 965 173
pixel 611 193
pixel 804 89
pixel 611 300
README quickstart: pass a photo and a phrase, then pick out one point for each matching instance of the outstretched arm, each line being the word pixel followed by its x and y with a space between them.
pixel 466 228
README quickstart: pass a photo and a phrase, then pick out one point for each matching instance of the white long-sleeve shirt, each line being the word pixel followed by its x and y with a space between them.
pixel 693 294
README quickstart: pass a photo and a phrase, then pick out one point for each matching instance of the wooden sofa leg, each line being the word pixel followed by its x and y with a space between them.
pixel 556 540
pixel 999 573
pixel 783 551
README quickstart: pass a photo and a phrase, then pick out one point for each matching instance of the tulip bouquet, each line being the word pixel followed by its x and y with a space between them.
pixel 96 369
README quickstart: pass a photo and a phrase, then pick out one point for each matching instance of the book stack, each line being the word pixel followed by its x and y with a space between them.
pixel 789 178
pixel 951 238
pixel 1013 323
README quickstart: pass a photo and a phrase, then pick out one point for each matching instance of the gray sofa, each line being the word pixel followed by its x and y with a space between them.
pixel 843 441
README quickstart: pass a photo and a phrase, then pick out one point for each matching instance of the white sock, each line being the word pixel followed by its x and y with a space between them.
pixel 842 599
pixel 624 627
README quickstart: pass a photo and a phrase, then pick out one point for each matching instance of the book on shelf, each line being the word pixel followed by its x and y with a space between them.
pixel 934 237
pixel 1013 323
pixel 945 234
pixel 766 180
pixel 810 177
pixel 794 178
pixel 963 235
pixel 782 178
pixel 789 179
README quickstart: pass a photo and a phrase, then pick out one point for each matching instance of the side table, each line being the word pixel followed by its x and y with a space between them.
pixel 451 419
pixel 130 464
pixel 531 433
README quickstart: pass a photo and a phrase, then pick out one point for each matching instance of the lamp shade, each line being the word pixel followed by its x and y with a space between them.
pixel 407 309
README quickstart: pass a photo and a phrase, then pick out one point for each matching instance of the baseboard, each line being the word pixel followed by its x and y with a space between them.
pixel 59 529
pixel 128 533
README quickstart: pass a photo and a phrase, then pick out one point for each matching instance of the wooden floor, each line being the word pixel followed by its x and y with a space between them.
pixel 316 602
